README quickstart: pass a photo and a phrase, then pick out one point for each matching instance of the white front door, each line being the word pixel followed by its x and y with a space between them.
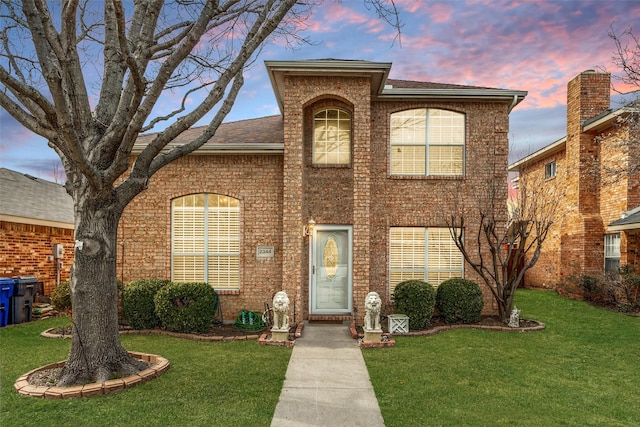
pixel 330 261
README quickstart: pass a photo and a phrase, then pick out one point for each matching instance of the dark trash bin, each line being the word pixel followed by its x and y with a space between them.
pixel 6 292
pixel 24 292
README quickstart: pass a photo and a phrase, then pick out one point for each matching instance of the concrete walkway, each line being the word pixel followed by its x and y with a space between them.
pixel 327 382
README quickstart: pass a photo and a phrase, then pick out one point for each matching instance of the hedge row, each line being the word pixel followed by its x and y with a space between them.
pixel 457 300
pixel 178 307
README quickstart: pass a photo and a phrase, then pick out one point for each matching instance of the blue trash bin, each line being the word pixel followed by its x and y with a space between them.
pixel 24 291
pixel 6 292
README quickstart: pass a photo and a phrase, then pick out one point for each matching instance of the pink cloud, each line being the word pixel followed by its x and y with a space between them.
pixel 440 12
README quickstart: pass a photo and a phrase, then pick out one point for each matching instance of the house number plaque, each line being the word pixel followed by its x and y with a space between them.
pixel 265 251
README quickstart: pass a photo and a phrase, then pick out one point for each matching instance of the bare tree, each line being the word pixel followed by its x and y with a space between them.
pixel 194 49
pixel 624 135
pixel 501 247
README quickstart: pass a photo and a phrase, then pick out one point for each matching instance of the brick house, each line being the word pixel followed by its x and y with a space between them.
pixel 341 194
pixel 599 228
pixel 35 215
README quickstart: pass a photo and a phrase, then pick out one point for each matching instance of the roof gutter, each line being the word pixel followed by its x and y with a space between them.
pixel 537 155
pixel 605 121
pixel 512 96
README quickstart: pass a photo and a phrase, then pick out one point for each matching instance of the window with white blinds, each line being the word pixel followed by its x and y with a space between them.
pixel 205 240
pixel 427 142
pixel 420 253
pixel 332 137
pixel 612 252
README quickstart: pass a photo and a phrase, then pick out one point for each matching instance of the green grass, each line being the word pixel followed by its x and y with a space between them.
pixel 221 384
pixel 583 369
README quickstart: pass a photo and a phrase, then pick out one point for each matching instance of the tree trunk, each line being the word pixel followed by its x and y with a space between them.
pixel 96 352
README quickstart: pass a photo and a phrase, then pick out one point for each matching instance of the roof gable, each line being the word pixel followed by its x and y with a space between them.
pixel 29 198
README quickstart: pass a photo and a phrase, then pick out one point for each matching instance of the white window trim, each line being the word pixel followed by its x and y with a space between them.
pixel 425 270
pixel 206 254
pixel 615 244
pixel 550 170
pixel 313 149
pixel 427 145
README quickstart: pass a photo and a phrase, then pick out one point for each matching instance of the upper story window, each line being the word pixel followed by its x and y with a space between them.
pixel 205 240
pixel 427 142
pixel 331 137
pixel 550 170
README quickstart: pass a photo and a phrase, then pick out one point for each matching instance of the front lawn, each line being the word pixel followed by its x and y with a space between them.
pixel 221 384
pixel 583 369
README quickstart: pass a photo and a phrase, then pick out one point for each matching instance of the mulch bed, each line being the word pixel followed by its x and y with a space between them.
pixel 214 333
pixel 486 322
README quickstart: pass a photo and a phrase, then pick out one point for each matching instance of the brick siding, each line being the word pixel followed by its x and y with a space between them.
pixel 280 194
pixel 25 250
pixel 576 243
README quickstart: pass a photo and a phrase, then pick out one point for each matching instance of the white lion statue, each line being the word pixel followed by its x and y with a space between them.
pixel 372 305
pixel 280 311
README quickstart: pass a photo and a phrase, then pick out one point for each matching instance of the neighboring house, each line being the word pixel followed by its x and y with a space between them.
pixel 35 215
pixel 343 193
pixel 598 228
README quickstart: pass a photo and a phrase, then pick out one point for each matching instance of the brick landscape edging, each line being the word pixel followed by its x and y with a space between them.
pixel 264 338
pixel 194 337
pixel 437 329
pixel 159 365
pixel 387 339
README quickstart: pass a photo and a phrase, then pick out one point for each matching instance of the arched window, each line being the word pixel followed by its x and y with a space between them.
pixel 205 240
pixel 427 142
pixel 332 137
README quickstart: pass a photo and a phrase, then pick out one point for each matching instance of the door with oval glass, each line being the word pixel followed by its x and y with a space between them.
pixel 330 262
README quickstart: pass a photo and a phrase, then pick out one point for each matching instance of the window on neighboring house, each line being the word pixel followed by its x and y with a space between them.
pixel 612 252
pixel 205 240
pixel 428 254
pixel 427 142
pixel 332 137
pixel 550 170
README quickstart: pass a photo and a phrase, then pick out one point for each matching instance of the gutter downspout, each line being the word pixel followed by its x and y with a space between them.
pixel 513 104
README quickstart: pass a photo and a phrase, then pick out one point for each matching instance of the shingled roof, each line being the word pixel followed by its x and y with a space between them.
pixel 31 200
pixel 263 134
pixel 410 84
pixel 630 220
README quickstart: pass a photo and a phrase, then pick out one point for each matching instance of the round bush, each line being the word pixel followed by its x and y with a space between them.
pixel 186 307
pixel 138 307
pixel 459 301
pixel 61 296
pixel 416 299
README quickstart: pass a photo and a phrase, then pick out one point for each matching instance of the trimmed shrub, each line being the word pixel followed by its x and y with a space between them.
pixel 61 296
pixel 416 299
pixel 186 307
pixel 593 290
pixel 459 301
pixel 138 307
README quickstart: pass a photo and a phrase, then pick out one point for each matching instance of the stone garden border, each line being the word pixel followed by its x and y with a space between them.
pixel 159 365
pixel 194 337
pixel 437 329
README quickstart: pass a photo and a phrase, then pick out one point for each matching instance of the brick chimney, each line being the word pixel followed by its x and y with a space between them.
pixel 588 94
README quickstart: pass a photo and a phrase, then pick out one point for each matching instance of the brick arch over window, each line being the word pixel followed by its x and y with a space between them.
pixel 427 141
pixel 205 240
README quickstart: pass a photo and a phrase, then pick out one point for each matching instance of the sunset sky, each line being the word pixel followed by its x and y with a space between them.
pixel 537 46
